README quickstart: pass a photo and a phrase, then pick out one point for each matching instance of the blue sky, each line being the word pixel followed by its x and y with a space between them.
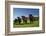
pixel 18 12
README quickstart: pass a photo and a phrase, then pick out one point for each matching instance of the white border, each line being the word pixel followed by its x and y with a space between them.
pixel 27 28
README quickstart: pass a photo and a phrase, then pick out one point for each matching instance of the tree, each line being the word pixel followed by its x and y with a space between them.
pixel 26 20
pixel 19 20
pixel 31 18
pixel 15 21
pixel 23 18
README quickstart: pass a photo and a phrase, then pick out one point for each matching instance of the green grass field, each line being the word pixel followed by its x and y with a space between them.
pixel 34 24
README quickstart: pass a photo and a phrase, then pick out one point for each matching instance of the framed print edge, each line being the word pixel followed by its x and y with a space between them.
pixel 6 31
pixel 6 19
pixel 7 16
